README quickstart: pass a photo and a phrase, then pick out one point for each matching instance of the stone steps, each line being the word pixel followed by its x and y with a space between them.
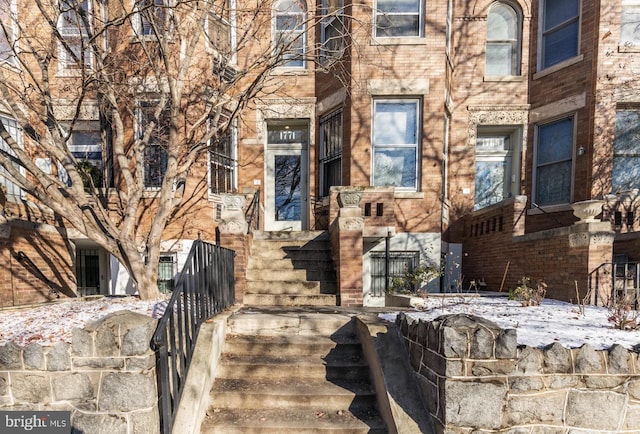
pixel 288 345
pixel 289 300
pixel 279 273
pixel 291 422
pixel 290 287
pixel 290 269
pixel 312 358
pixel 298 371
pixel 284 392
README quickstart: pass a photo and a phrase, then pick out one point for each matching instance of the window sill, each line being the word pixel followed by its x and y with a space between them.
pixel 409 194
pixel 217 197
pixel 71 72
pixel 290 71
pixel 544 209
pixel 404 40
pixel 628 48
pixel 558 67
pixel 139 39
pixel 151 192
pixel 504 78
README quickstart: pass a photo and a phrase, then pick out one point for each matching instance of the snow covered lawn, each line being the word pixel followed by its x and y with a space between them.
pixel 537 326
pixel 53 323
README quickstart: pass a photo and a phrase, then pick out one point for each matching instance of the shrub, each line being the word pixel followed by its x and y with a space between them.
pixel 527 294
pixel 622 314
pixel 412 280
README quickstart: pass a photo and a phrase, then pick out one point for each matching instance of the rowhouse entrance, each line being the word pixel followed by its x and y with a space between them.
pixel 286 175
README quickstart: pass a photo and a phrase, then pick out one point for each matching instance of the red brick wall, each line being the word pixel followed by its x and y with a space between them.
pixel 346 246
pixel 239 243
pixel 504 253
pixel 48 252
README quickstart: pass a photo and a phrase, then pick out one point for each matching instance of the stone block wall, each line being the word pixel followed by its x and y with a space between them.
pixel 105 377
pixel 477 379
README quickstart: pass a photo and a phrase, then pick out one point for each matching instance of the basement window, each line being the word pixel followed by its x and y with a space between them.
pixel 400 263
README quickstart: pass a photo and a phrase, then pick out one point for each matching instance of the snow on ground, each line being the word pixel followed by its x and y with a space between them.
pixel 52 323
pixel 537 326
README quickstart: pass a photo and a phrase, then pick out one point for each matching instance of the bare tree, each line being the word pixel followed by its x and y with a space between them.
pixel 164 81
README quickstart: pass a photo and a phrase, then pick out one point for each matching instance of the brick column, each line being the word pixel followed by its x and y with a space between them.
pixel 346 242
pixel 233 236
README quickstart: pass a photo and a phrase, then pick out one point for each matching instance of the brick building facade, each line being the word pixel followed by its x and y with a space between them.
pixel 469 127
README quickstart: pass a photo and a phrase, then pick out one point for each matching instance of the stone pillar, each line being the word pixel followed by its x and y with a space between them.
pixel 233 235
pixel 592 242
pixel 347 244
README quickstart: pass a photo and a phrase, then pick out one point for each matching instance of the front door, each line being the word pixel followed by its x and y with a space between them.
pixel 286 172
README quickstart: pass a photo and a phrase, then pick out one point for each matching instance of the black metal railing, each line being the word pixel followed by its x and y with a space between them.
pixel 252 214
pixel 614 281
pixel 205 287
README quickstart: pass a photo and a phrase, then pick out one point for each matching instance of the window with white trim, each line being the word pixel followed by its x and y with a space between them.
pixel 74 26
pixel 630 24
pixel 502 53
pixel 330 151
pixel 166 272
pixel 218 28
pixel 85 144
pixel 626 151
pixel 8 30
pixel 223 163
pixel 155 150
pixel 554 162
pixel 152 15
pixel 15 131
pixel 332 30
pixel 289 32
pixel 494 168
pixel 396 135
pixel 559 31
pixel 399 18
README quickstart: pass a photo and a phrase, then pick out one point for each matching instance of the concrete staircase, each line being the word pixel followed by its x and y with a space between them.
pixel 288 371
pixel 290 269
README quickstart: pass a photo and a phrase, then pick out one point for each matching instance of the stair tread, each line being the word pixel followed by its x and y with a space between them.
pixel 305 419
pixel 291 386
pixel 329 360
pixel 339 337
pixel 289 300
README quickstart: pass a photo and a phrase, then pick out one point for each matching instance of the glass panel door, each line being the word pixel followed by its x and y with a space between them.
pixel 493 170
pixel 286 192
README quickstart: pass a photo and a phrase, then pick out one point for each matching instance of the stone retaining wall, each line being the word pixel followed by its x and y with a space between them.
pixel 476 379
pixel 105 377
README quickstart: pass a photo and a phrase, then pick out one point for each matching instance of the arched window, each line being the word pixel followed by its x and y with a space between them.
pixel 289 31
pixel 502 55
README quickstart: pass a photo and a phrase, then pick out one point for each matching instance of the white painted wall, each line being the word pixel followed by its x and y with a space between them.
pixel 428 244
pixel 120 281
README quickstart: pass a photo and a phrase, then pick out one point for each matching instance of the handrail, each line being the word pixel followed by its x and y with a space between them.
pixel 204 288
pixel 252 215
pixel 617 276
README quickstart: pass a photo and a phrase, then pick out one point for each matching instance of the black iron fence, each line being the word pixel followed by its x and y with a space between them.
pixel 204 288
pixel 616 281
